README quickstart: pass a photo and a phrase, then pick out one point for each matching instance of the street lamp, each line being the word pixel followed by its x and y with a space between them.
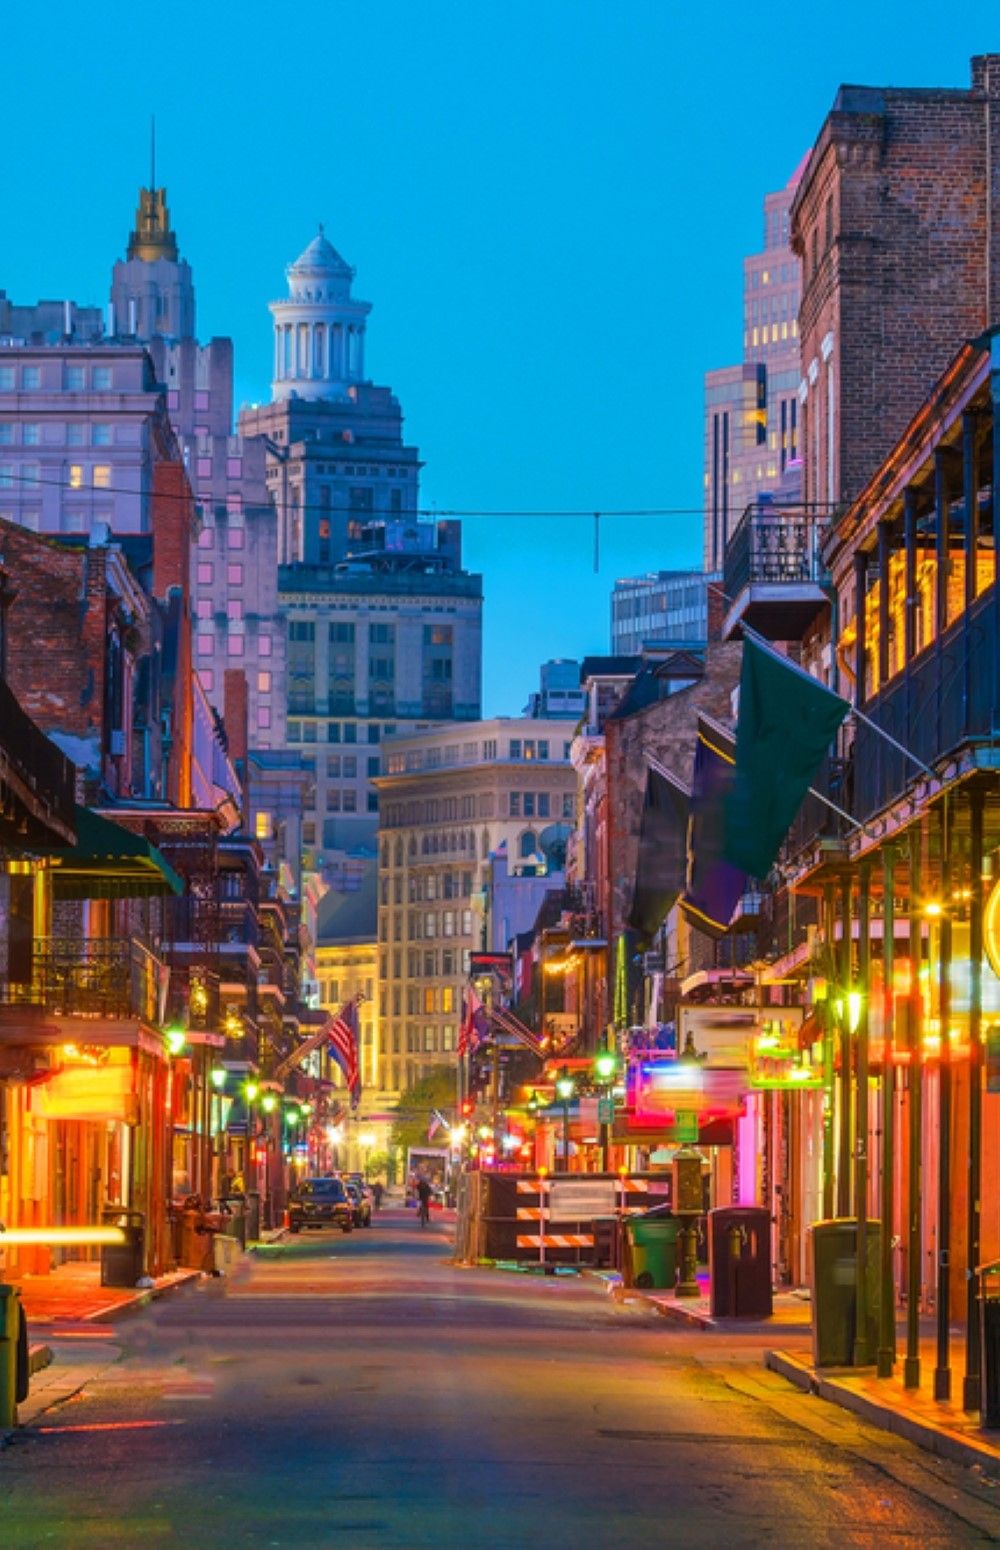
pixel 565 1088
pixel 605 1067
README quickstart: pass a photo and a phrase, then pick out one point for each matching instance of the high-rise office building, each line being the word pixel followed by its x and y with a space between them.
pixel 662 607
pixel 449 797
pixel 752 431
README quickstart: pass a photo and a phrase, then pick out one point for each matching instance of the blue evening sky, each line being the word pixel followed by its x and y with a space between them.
pixel 547 201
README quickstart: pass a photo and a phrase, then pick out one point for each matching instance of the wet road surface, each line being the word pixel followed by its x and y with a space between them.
pixel 359 1391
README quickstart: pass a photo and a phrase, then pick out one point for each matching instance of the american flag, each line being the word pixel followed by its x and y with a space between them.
pixel 343 1034
pixel 475 1024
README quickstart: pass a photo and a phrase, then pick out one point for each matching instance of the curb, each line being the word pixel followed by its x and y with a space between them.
pixel 39 1357
pixel 114 1310
pixel 939 1440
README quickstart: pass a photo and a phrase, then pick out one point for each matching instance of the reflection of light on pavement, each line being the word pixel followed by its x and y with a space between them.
pixel 107 1426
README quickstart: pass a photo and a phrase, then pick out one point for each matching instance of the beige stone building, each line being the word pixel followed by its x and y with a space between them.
pixel 448 797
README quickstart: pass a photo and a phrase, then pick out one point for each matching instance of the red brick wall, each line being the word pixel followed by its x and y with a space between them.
pixel 57 635
pixel 173 519
pixel 901 271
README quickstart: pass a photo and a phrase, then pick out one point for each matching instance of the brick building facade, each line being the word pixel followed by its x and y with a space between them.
pixel 895 224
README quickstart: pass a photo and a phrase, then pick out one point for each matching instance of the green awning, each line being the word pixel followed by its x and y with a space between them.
pixel 110 862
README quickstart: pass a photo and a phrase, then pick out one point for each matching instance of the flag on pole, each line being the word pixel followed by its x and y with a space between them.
pixel 714 883
pixel 342 1031
pixel 475 1024
pixel 787 721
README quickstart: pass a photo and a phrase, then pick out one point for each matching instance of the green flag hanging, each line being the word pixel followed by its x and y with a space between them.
pixel 786 724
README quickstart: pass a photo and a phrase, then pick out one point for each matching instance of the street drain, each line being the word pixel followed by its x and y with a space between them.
pixel 735 1439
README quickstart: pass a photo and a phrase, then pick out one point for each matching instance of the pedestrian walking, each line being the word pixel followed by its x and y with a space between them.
pixel 424 1193
pixel 377 1190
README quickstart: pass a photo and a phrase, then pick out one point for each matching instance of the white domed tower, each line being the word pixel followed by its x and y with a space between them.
pixel 319 332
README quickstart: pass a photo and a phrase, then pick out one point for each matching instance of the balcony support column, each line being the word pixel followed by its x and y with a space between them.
pixel 972 1387
pixel 887 1302
pixel 911 1367
pixel 911 603
pixel 861 643
pixel 885 534
pixel 844 1094
pixel 970 492
pixel 863 1354
pixel 942 1372
pixel 942 539
pixel 829 1093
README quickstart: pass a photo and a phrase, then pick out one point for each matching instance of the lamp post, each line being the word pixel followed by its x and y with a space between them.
pixel 565 1088
pixel 605 1064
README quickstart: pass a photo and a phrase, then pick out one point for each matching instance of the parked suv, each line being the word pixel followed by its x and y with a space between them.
pixel 361 1200
pixel 321 1203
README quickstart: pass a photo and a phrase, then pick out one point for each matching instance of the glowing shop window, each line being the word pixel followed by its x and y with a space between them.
pixel 102 476
pixel 262 826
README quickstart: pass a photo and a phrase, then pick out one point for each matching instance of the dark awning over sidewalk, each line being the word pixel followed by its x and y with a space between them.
pixel 109 862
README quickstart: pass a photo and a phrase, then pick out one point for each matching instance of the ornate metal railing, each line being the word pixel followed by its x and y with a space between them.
pixel 102 977
pixel 774 544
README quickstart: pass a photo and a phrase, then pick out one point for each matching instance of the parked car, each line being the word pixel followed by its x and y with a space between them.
pixel 321 1203
pixel 362 1202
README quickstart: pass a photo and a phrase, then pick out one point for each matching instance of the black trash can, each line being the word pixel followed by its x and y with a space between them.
pixel 989 1324
pixel 236 1220
pixel 122 1264
pixel 739 1262
pixel 832 1253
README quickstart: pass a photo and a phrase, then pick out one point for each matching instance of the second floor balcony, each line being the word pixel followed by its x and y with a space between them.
pixel 95 979
pixel 773 574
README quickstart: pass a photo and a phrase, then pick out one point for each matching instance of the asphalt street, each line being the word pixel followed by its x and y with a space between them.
pixel 360 1391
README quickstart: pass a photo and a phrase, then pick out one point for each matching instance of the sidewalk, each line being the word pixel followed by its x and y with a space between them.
pixel 943 1428
pixel 792 1311
pixel 73 1294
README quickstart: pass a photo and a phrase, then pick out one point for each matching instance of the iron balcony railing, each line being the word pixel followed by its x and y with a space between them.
pixel 101 977
pixel 39 765
pixel 775 545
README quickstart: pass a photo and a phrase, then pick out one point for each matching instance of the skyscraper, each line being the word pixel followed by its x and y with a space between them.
pixel 752 433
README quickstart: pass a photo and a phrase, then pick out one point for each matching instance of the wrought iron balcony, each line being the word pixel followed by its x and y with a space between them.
pixel 105 977
pixel 773 572
pixel 37 781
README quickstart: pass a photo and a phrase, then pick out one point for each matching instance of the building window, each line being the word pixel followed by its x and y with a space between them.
pixel 76 476
pixel 205 571
pixel 234 646
pixel 264 717
pixel 515 748
pixel 234 575
pixel 100 435
pixel 373 801
pixel 207 679
pixel 264 646
pixel 515 804
pixel 262 826
pixel 350 801
pixel 206 645
pixel 235 539
pixel 102 476
pixel 350 767
pixel 31 434
pixel 73 379
pixel 30 377
pixel 101 379
pixel 263 683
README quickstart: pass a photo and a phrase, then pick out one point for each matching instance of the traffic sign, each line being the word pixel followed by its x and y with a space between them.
pixel 605 1111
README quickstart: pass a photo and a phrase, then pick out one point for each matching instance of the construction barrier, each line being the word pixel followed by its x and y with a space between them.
pixel 553 1219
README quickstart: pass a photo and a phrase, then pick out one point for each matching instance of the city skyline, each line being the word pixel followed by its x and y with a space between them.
pixel 484 312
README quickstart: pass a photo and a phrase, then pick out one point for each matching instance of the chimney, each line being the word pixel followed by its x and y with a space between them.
pixel 235 716
pixel 172 523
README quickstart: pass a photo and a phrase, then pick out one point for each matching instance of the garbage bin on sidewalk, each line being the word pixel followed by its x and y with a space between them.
pixel 989 1328
pixel 13 1355
pixel 652 1242
pixel 832 1258
pixel 739 1262
pixel 122 1264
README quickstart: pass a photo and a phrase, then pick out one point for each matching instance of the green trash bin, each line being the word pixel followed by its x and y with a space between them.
pixel 834 1290
pixel 652 1238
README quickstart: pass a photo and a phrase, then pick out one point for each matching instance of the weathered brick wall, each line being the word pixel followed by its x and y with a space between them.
pixel 890 222
pixel 667 731
pixel 56 642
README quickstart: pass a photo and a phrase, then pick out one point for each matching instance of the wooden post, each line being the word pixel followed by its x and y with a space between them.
pixel 887 1303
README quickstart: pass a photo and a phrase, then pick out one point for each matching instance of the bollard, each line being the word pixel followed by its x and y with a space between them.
pixel 10 1339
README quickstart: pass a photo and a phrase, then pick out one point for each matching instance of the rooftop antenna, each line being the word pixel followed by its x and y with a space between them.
pixel 152 151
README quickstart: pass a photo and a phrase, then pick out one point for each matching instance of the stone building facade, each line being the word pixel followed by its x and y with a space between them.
pixel 449 797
